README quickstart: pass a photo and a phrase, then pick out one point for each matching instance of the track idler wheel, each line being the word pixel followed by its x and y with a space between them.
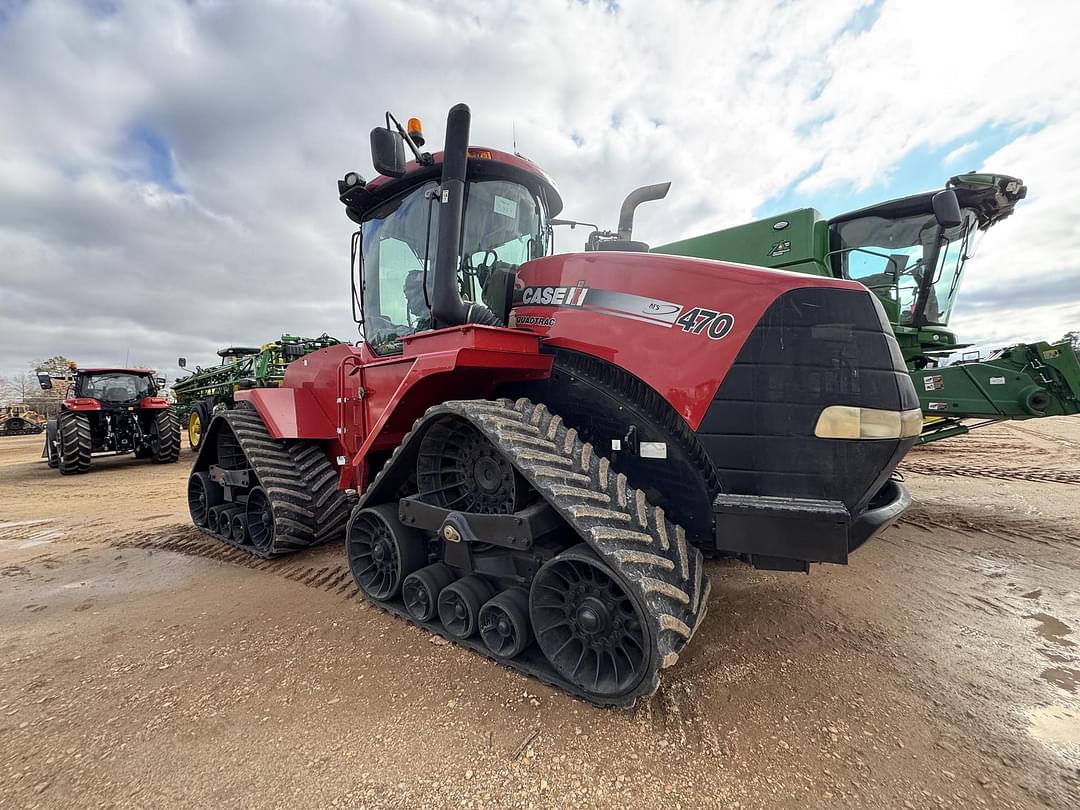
pixel 504 623
pixel 382 552
pixel 203 495
pixel 591 629
pixel 420 590
pixel 260 519
pixel 460 603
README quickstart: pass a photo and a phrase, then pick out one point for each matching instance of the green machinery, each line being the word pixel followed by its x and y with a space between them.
pixel 209 390
pixel 912 252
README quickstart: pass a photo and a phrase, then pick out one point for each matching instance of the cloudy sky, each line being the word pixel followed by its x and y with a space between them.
pixel 167 169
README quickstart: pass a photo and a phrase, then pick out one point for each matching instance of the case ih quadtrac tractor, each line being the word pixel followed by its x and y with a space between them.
pixel 544 445
pixel 111 410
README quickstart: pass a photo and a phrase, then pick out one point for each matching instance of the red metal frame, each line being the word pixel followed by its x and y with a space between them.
pixel 362 403
pixel 153 403
pixel 82 404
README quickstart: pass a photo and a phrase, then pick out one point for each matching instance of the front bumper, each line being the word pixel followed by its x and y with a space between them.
pixel 787 534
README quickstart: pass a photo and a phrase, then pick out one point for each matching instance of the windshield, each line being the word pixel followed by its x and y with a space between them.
pixel 891 257
pixel 115 387
pixel 503 227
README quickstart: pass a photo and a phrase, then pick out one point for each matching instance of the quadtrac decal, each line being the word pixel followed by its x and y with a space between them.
pixel 692 319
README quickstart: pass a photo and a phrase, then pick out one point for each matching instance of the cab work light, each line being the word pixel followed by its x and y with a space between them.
pixel 851 422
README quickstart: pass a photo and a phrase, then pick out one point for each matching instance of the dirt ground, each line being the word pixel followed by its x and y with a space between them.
pixel 142 665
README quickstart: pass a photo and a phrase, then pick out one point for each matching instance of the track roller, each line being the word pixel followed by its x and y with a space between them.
pixel 382 552
pixel 460 603
pixel 225 521
pixel 238 528
pixel 504 623
pixel 420 590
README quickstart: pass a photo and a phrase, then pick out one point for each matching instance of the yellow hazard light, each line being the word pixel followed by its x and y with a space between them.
pixel 416 131
pixel 481 154
pixel 851 422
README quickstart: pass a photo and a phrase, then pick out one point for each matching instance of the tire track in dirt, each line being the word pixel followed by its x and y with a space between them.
pixel 332 576
pixel 1038 530
pixel 1034 474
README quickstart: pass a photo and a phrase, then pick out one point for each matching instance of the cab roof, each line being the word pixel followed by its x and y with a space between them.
pixel 484 163
pixel 114 370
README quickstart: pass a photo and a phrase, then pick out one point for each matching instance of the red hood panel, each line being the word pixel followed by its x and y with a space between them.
pixel 675 323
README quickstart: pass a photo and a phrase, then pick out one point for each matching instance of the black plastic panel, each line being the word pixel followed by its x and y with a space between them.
pixel 812 348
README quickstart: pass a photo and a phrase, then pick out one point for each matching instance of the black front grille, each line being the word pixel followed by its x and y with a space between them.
pixel 814 347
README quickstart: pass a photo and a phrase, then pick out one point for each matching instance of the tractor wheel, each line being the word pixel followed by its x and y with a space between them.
pixel 592 630
pixel 197 423
pixel 73 443
pixel 51 453
pixel 165 438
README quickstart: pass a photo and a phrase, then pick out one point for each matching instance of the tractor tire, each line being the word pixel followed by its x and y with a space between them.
pixel 197 423
pixel 73 443
pixel 165 438
pixel 50 452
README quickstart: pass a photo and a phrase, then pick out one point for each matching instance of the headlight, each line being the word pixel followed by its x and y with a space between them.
pixel 851 422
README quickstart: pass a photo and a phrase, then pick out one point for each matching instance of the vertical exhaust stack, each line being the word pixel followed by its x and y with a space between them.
pixel 447 306
pixel 622 240
pixel 635 198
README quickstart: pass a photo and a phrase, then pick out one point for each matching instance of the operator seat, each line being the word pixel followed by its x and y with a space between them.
pixel 117 393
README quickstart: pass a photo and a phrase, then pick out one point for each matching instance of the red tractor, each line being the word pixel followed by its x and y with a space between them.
pixel 111 410
pixel 529 453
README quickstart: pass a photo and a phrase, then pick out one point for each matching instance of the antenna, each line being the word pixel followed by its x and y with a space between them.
pixel 513 129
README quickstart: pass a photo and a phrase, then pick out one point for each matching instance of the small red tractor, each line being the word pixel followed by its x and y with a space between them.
pixel 111 410
pixel 529 454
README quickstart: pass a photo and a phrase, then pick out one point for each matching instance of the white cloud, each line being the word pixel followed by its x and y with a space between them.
pixel 263 108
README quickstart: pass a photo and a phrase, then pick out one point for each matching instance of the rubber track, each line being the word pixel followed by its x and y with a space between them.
pixel 74 430
pixel 168 427
pixel 649 553
pixel 20 432
pixel 308 507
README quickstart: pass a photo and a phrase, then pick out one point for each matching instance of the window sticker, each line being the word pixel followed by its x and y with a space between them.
pixel 505 207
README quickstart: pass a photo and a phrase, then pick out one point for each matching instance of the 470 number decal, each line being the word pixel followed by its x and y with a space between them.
pixel 699 320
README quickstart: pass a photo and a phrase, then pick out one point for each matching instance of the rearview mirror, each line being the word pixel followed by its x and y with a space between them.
pixel 947 209
pixel 44 380
pixel 182 362
pixel 387 152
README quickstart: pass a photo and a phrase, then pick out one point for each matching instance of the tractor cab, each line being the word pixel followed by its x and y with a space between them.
pixel 234 354
pixel 115 386
pixel 506 204
pixel 911 252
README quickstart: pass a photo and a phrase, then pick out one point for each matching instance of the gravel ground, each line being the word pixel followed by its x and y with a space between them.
pixel 142 665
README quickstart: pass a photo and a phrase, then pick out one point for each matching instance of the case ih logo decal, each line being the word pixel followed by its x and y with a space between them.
pixel 696 320
pixel 555 296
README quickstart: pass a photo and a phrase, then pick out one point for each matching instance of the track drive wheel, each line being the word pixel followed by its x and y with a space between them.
pixel 382 552
pixel 73 444
pixel 420 590
pixel 460 603
pixel 459 468
pixel 165 437
pixel 592 629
